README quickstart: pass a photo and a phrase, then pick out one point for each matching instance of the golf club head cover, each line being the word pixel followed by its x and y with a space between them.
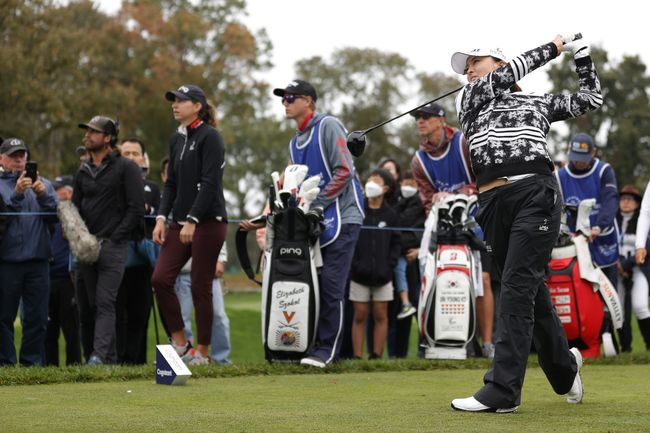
pixel 356 143
pixel 310 183
pixel 307 198
pixel 293 176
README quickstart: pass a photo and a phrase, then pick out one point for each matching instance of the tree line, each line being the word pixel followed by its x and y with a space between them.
pixel 62 64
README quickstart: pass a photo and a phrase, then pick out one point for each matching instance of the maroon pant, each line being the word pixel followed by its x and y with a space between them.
pixel 204 250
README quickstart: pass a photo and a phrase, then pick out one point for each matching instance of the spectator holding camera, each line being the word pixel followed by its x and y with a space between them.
pixel 24 254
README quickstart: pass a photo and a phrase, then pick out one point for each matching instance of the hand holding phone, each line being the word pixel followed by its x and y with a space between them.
pixel 31 169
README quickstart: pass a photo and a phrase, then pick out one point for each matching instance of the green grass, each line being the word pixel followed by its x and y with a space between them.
pixel 354 402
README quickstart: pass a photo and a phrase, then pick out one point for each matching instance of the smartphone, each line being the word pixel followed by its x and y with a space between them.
pixel 31 168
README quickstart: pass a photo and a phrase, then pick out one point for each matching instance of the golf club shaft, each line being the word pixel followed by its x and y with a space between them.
pixel 379 125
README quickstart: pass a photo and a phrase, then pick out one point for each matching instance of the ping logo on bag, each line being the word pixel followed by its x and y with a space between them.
pixel 285 251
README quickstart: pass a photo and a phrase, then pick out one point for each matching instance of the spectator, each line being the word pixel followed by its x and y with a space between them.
pixel 391 166
pixel 374 259
pixel 108 192
pixel 24 254
pixel 63 313
pixel 411 215
pixel 135 296
pixel 220 342
pixel 193 194
pixel 633 281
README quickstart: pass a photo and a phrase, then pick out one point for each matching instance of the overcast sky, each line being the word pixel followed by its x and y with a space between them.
pixel 428 32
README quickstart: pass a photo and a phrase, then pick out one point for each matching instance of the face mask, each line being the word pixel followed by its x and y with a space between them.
pixel 408 191
pixel 373 190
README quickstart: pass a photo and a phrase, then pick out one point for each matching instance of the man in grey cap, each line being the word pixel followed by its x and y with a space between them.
pixel 108 192
pixel 24 255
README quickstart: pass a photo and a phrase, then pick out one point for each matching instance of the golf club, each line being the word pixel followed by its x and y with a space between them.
pixel 356 140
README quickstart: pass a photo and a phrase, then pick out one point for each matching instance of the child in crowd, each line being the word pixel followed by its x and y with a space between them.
pixel 411 215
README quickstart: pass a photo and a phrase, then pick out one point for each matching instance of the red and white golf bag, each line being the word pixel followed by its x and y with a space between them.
pixel 447 308
pixel 585 300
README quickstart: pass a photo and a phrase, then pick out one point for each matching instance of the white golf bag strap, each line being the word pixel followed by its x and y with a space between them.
pixel 429 227
pixel 317 257
pixel 595 275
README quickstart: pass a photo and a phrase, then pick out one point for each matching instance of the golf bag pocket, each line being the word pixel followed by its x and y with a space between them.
pixel 290 297
pixel 446 313
pixel 579 307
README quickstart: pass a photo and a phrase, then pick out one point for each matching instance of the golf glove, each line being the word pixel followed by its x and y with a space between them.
pixel 579 48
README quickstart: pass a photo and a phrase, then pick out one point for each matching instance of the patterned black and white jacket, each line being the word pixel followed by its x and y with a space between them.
pixel 507 131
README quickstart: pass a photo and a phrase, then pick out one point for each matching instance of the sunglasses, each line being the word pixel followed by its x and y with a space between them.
pixel 420 115
pixel 290 98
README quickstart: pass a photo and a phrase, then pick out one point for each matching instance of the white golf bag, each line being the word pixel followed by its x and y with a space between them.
pixel 290 293
pixel 447 310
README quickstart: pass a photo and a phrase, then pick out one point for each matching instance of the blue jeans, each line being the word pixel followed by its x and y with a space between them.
pixel 220 342
pixel 402 284
pixel 29 281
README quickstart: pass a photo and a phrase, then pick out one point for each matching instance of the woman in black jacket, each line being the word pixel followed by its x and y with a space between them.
pixel 193 196
pixel 520 210
pixel 371 273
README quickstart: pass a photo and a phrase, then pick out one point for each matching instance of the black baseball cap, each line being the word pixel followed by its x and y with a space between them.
pixel 433 109
pixel 12 145
pixel 100 124
pixel 297 87
pixel 187 92
pixel 61 181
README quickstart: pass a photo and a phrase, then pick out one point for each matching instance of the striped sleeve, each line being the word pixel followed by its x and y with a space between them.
pixel 588 98
pixel 479 92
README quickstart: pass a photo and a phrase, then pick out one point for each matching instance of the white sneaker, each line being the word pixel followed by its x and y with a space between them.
pixel 574 396
pixel 314 361
pixel 470 404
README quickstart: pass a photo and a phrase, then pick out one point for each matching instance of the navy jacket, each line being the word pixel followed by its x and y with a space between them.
pixel 27 237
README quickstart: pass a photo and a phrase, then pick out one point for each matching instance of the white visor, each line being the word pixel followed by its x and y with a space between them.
pixel 459 59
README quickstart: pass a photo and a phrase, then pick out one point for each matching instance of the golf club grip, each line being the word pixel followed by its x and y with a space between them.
pixel 571 37
pixel 379 125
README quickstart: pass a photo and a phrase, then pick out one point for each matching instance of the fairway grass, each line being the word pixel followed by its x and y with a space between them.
pixel 413 401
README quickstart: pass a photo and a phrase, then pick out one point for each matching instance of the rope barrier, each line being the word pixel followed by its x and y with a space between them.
pixel 230 221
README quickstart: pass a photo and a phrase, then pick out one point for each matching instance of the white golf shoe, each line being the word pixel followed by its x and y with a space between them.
pixel 470 404
pixel 574 396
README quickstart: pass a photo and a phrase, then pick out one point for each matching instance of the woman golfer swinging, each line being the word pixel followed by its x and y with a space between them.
pixel 520 209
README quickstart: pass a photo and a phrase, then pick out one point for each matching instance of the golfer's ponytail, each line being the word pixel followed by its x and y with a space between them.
pixel 208 115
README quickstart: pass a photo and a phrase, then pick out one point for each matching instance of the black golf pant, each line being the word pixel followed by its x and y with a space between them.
pixel 521 223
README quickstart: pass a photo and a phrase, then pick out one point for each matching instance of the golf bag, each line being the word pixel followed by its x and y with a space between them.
pixel 584 299
pixel 447 310
pixel 290 293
